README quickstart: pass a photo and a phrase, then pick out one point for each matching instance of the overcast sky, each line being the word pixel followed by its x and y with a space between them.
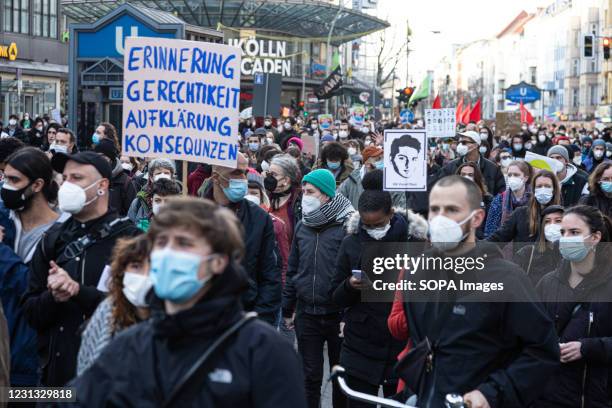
pixel 459 21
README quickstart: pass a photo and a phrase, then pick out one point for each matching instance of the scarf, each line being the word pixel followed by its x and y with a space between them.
pixel 510 203
pixel 335 210
pixel 276 197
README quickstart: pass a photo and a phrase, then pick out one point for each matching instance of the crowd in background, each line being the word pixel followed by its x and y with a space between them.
pixel 86 234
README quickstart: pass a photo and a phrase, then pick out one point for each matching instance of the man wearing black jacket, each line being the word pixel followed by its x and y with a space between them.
pixel 469 143
pixel 496 353
pixel 262 263
pixel 68 263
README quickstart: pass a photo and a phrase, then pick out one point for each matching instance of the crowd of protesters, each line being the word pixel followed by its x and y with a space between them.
pixel 132 282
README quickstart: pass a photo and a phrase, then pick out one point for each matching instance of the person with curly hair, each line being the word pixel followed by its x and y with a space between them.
pixel 126 304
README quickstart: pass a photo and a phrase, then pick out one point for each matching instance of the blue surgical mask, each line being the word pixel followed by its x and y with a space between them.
pixel 606 186
pixel 333 165
pixel 379 165
pixel 95 139
pixel 253 147
pixel 574 249
pixel 175 274
pixel 236 190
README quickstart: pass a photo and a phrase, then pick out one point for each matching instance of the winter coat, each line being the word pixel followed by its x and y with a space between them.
pixel 590 162
pixel 311 269
pixel 255 367
pixel 599 201
pixel 58 323
pixel 262 261
pixel 351 188
pixel 506 350
pixel 35 137
pixel 368 349
pixel 492 175
pixel 5 357
pixel 96 335
pixel 541 262
pixel 122 191
pixel 516 228
pixel 494 218
pixel 19 134
pixel 542 148
pixel 572 185
pixel 13 284
pixel 487 200
pixel 583 314
pixel 139 209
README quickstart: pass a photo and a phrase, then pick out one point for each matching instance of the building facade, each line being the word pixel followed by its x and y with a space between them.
pixel 33 57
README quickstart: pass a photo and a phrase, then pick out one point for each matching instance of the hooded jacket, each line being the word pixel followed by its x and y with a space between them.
pixel 506 350
pixel 58 323
pixel 587 319
pixel 13 284
pixel 572 185
pixel 255 367
pixel 369 350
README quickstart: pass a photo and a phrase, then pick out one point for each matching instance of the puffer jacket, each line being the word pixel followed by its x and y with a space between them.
pixel 369 350
pixel 311 268
pixel 583 314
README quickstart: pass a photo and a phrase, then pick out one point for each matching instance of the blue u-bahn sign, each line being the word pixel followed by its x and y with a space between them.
pixel 524 92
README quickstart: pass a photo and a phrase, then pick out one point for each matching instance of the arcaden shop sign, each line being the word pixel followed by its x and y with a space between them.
pixel 265 56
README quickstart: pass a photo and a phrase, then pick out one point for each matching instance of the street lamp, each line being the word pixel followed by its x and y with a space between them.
pixel 329 53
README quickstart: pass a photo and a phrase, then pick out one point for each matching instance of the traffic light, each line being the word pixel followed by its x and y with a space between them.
pixel 588 46
pixel 301 105
pixel 405 94
pixel 606 48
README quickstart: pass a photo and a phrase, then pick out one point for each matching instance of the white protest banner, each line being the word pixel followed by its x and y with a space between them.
pixel 441 122
pixel 181 100
pixel 405 160
pixel 56 115
pixel 309 144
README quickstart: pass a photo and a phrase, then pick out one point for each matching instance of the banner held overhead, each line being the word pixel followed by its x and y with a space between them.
pixel 181 100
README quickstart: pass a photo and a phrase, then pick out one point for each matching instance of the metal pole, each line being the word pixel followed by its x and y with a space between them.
pixel 329 54
pixel 407 52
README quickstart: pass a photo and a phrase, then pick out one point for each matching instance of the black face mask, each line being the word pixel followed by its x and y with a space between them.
pixel 270 183
pixel 14 199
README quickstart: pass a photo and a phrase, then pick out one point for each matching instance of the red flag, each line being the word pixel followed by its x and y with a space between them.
pixel 459 110
pixel 436 103
pixel 465 117
pixel 525 115
pixel 475 115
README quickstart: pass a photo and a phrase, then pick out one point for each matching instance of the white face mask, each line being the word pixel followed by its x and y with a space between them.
pixel 58 148
pixel 267 123
pixel 552 232
pixel 72 198
pixel 310 204
pixel 343 134
pixel 265 166
pixel 379 233
pixel 541 138
pixel 12 122
pixel 280 128
pixel 136 287
pixel 482 149
pixel 365 129
pixel 462 149
pixel 543 195
pixel 446 234
pixel 577 160
pixel 127 166
pixel 155 207
pixel 515 183
pixel 352 151
pixel 162 176
pixel 253 198
pixel 598 154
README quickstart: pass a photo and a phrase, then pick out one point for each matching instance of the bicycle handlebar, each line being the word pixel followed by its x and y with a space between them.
pixel 338 372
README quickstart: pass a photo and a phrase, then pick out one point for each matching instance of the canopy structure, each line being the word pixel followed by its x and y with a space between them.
pixel 296 18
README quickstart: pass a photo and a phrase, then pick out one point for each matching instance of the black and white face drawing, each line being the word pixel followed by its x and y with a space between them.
pixel 405 156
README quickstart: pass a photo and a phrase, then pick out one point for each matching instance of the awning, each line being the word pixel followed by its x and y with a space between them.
pixel 294 18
